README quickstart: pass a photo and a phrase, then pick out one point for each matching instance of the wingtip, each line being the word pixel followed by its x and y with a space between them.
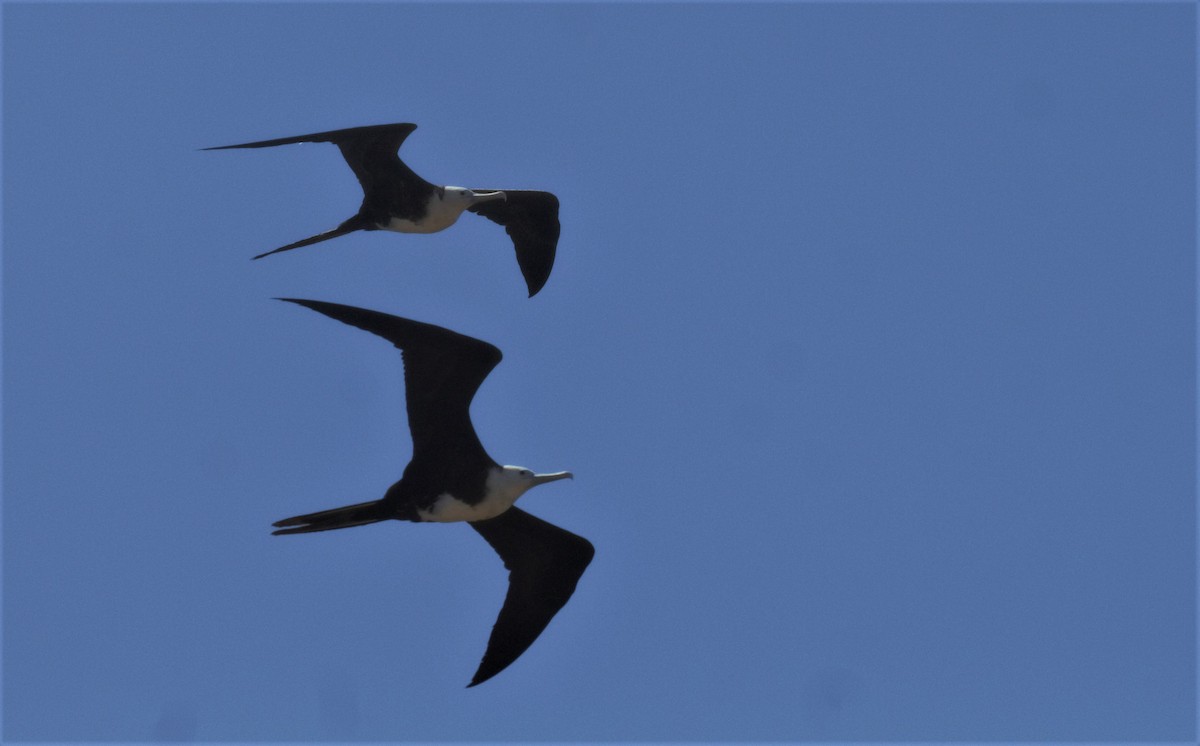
pixel 272 251
pixel 534 286
pixel 535 273
pixel 476 680
pixel 310 304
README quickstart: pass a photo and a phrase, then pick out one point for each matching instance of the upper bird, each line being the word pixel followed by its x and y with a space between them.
pixel 452 478
pixel 396 199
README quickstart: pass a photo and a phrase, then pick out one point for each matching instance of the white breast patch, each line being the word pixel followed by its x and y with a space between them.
pixel 442 212
pixel 503 487
pixel 448 508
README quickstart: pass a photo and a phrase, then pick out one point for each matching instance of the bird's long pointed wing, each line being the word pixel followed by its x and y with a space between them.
pixel 390 136
pixel 545 564
pixel 442 372
pixel 531 219
pixel 369 151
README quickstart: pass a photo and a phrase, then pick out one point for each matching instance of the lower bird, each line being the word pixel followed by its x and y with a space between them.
pixel 451 478
pixel 396 199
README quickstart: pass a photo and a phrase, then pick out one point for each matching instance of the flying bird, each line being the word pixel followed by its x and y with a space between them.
pixel 396 199
pixel 452 478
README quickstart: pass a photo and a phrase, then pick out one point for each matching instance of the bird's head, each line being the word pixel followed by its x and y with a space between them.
pixel 517 480
pixel 468 197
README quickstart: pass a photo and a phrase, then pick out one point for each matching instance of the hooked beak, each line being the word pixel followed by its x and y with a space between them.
pixel 489 196
pixel 544 478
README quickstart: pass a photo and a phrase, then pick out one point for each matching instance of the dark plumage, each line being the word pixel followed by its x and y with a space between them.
pixel 451 478
pixel 395 198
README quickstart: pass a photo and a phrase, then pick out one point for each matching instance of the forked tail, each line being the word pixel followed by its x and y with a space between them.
pixel 327 520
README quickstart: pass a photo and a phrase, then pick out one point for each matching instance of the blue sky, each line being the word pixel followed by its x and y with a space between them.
pixel 871 344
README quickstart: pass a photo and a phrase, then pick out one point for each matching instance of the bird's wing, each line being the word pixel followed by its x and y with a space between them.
pixel 531 220
pixel 442 372
pixel 545 563
pixel 391 135
pixel 369 151
pixel 355 223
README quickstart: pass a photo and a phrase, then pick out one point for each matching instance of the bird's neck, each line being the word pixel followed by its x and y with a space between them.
pixel 504 486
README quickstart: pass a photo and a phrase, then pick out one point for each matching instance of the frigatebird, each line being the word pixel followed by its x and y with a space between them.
pixel 452 478
pixel 396 199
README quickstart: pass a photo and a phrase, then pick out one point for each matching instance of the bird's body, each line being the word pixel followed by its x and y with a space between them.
pixel 451 478
pixel 396 199
pixel 501 489
pixel 442 209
